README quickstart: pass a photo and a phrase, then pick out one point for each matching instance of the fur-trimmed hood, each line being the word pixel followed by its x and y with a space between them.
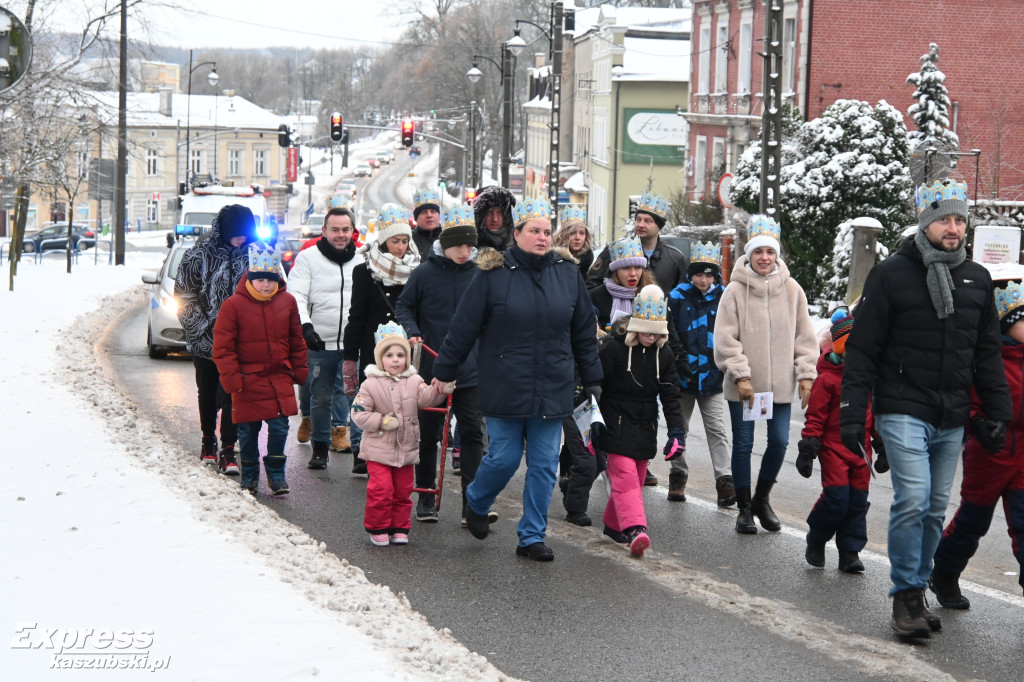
pixel 491 259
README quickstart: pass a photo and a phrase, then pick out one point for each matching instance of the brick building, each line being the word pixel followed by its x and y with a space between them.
pixel 835 49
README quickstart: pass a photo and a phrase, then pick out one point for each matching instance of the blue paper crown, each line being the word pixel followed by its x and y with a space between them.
pixel 392 214
pixel 630 247
pixel 262 258
pixel 654 204
pixel 389 329
pixel 706 253
pixel 940 190
pixel 426 196
pixel 1009 298
pixel 338 201
pixel 762 225
pixel 650 308
pixel 529 209
pixel 569 214
pixel 457 215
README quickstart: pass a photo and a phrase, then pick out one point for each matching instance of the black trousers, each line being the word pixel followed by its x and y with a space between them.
pixel 213 398
pixel 466 408
pixel 582 468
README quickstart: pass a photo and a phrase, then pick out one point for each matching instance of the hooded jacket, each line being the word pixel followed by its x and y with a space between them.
pixel 534 322
pixel 667 263
pixel 763 333
pixel 382 394
pixel 694 315
pixel 913 363
pixel 821 420
pixel 486 199
pixel 260 354
pixel 323 291
pixel 427 306
pixel 208 274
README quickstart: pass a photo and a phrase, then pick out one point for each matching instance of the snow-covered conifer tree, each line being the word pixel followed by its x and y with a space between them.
pixel 930 111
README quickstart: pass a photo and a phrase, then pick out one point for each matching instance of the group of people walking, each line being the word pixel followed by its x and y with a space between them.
pixel 528 326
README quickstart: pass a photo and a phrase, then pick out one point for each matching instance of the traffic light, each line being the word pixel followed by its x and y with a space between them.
pixel 408 132
pixel 470 195
pixel 336 129
pixel 284 136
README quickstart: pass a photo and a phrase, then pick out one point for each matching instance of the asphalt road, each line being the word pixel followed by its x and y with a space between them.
pixel 705 603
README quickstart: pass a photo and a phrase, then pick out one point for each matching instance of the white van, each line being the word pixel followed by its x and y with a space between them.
pixel 199 206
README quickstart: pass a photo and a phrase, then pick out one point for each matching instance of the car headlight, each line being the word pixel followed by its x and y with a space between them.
pixel 170 303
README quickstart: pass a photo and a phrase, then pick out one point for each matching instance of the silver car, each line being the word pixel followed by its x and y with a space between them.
pixel 164 332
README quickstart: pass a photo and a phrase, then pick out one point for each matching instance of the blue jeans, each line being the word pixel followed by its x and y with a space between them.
pixel 249 438
pixel 328 405
pixel 507 436
pixel 922 461
pixel 339 411
pixel 743 443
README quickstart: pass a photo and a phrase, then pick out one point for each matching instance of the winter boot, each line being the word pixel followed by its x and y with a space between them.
pixel 228 464
pixel 305 429
pixel 946 587
pixel 456 460
pixel 650 479
pixel 425 510
pixel 339 439
pixel 250 475
pixel 274 464
pixel 907 614
pixel 849 562
pixel 745 521
pixel 320 456
pixel 677 486
pixel 638 541
pixel 578 518
pixel 762 510
pixel 726 492
pixel 815 554
pixel 208 455
pixel 359 467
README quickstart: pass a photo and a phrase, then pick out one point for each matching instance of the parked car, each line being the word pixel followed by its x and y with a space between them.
pixel 164 332
pixel 55 237
pixel 291 247
pixel 363 170
pixel 313 226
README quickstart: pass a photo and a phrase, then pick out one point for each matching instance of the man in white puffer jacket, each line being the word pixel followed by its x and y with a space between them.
pixel 321 282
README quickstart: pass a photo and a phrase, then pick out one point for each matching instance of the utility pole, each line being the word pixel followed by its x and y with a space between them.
pixel 771 115
pixel 120 193
pixel 506 116
pixel 556 103
pixel 472 145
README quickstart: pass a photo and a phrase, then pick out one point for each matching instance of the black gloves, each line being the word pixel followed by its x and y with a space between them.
pixel 675 446
pixel 313 340
pixel 991 435
pixel 881 461
pixel 808 449
pixel 592 392
pixel 852 436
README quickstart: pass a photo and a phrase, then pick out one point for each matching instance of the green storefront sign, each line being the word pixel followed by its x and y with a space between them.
pixel 653 134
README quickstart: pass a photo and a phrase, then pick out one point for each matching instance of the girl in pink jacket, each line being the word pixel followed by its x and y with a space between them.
pixel 387 410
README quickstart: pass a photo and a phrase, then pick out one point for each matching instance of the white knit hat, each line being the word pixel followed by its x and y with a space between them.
pixel 763 231
pixel 387 335
pixel 392 221
pixel 650 314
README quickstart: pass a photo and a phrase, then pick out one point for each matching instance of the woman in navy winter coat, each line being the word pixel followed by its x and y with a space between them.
pixel 530 310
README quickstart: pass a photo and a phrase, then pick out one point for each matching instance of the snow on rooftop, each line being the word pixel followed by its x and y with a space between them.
pixel 667 59
pixel 206 111
pixel 633 17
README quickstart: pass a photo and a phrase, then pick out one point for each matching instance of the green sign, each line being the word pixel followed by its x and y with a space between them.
pixel 657 135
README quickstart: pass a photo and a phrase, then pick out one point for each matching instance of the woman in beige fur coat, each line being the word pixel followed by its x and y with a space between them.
pixel 764 342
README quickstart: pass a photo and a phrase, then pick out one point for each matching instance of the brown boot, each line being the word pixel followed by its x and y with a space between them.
pixel 339 439
pixel 726 491
pixel 908 615
pixel 305 430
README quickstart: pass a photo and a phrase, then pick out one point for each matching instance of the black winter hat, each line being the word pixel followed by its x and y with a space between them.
pixel 698 267
pixel 658 220
pixel 235 220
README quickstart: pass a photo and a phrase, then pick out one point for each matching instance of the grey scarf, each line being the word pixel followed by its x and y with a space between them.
pixel 940 282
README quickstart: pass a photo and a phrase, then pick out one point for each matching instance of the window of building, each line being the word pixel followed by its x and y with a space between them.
pixel 788 53
pixel 196 162
pixel 235 162
pixel 717 156
pixel 746 46
pixel 260 162
pixel 151 162
pixel 722 59
pixel 153 210
pixel 701 172
pixel 600 142
pixel 704 63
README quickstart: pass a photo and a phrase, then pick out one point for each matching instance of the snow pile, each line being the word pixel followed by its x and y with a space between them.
pixel 109 525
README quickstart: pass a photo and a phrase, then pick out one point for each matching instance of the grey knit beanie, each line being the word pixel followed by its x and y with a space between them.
pixel 941 198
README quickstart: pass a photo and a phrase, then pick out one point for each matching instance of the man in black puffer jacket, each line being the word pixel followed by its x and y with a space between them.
pixel 926 331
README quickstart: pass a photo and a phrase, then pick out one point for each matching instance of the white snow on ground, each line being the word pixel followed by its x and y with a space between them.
pixel 108 525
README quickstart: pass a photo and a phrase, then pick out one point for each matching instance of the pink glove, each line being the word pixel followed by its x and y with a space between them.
pixel 350 373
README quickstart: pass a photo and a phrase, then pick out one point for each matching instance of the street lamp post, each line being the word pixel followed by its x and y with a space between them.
pixel 516 44
pixel 212 80
pixel 505 68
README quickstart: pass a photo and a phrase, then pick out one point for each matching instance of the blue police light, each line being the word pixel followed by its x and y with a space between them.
pixel 264 232
pixel 188 230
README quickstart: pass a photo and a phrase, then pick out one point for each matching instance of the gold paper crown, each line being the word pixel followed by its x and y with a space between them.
pixel 940 190
pixel 389 329
pixel 653 204
pixel 1009 298
pixel 426 196
pixel 392 214
pixel 338 201
pixel 762 225
pixel 650 306
pixel 706 253
pixel 458 215
pixel 529 209
pixel 572 214
pixel 262 258
pixel 628 248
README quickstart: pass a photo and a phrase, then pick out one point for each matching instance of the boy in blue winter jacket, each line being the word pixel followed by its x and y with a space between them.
pixel 694 305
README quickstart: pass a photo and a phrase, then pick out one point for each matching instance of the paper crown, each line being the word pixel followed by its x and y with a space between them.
pixel 262 258
pixel 387 330
pixel 706 253
pixel 570 214
pixel 940 190
pixel 390 215
pixel 763 226
pixel 1009 298
pixel 529 209
pixel 426 197
pixel 653 204
pixel 626 252
pixel 650 305
pixel 338 201
pixel 457 215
